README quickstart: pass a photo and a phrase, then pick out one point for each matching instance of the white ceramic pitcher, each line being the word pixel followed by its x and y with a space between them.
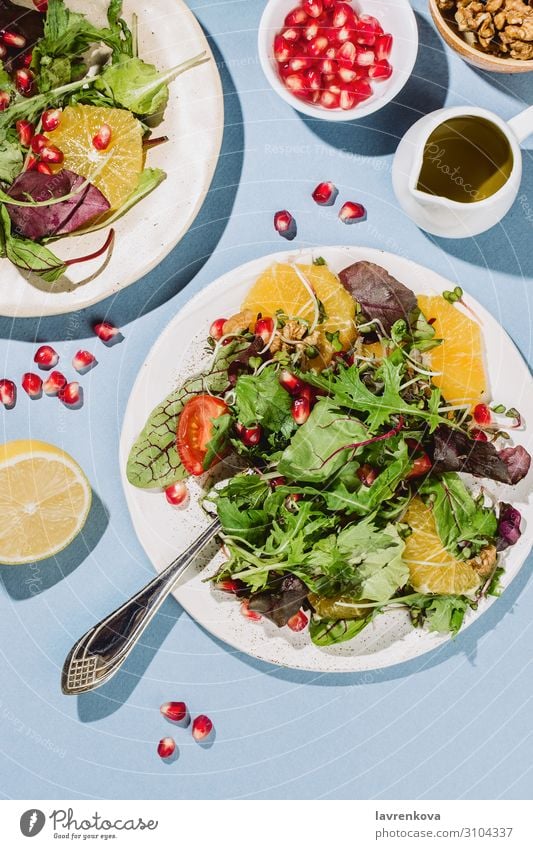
pixel 440 215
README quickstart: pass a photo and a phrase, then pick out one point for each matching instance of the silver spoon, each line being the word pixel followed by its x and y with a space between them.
pixel 104 648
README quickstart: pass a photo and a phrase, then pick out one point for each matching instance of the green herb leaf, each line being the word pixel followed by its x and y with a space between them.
pixel 328 632
pixel 28 255
pixel 11 158
pixel 260 399
pixel 219 439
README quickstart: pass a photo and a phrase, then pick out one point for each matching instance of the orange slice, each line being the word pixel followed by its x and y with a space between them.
pixel 114 170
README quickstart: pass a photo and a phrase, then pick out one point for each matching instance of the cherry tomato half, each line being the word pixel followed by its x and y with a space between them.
pixel 195 429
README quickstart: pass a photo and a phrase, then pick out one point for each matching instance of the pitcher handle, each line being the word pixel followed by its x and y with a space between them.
pixel 522 124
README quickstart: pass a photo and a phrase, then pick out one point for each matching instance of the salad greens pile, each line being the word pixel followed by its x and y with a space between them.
pixel 72 62
pixel 315 526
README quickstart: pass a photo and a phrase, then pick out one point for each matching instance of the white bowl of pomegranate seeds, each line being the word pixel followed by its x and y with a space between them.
pixel 337 60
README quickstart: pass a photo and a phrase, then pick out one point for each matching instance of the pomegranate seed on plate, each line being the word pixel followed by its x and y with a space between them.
pixel 292 384
pixel 106 331
pixel 201 727
pixel 362 89
pixel 264 327
pixel 347 75
pixel 228 586
pixel 50 153
pixel 54 382
pixel 380 70
pixel 23 60
pixel 342 14
pixel 311 31
pixel 38 142
pixel 330 99
pixel 296 18
pixel 70 394
pixel 32 384
pixel 298 622
pixel 479 435
pixel 345 34
pixel 348 99
pixel 8 392
pixel 383 46
pixel 14 39
pixel 328 66
pixel 3 51
pixel 43 168
pixel 290 36
pixel 351 212
pixel 176 493
pixel 24 81
pixel 50 119
pixel 175 711
pixel 364 58
pixel 313 79
pixel 300 409
pixel 325 194
pixel 102 139
pixel 166 747
pixel 25 131
pixel 31 164
pixel 249 436
pixel 41 6
pixel 300 63
pixel 279 481
pixel 249 614
pixel 285 224
pixel 216 331
pixel 46 357
pixel 366 474
pixel 282 49
pixel 83 360
pixel 5 100
pixel 346 55
pixel 296 84
pixel 313 8
pixel 317 45
pixel 482 414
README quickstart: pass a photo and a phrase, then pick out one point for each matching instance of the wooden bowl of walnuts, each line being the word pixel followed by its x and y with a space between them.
pixel 494 35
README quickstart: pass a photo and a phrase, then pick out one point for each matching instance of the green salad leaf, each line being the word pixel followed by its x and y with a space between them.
pixel 328 632
pixel 260 399
pixel 27 254
pixel 11 157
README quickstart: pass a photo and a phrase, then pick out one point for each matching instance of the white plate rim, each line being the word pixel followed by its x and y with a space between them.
pixel 203 299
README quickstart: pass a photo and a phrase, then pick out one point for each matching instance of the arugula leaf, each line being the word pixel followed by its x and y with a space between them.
pixel 367 499
pixel 460 519
pixel 317 449
pixel 249 524
pixel 11 158
pixel 378 557
pixel 443 613
pixel 219 439
pixel 243 490
pixel 153 460
pixel 328 632
pixel 260 399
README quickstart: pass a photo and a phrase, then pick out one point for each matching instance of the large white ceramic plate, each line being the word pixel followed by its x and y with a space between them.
pixel 194 121
pixel 164 530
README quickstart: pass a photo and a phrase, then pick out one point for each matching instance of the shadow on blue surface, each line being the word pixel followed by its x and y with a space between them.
pixel 22 582
pixel 425 91
pixel 517 85
pixel 182 264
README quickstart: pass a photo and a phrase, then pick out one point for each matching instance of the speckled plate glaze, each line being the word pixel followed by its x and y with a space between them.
pixel 194 121
pixel 164 530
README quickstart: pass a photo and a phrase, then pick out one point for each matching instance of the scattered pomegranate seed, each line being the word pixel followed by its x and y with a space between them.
pixel 41 5
pixel 32 384
pixel 24 81
pixel 328 66
pixel 176 493
pixel 313 79
pixel 282 49
pixel 216 331
pixel 54 383
pixel 380 70
pixel 83 360
pixel 317 46
pixel 8 392
pixel 43 168
pixel 38 142
pixel 330 99
pixel 479 435
pixel 364 58
pixel 366 474
pixel 23 60
pixel 296 84
pixel 482 414
pixel 347 99
pixel 300 63
pixel 421 466
pixel 313 8
pixel 175 711
pixel 347 54
pixel 31 163
pixel 347 75
pixel 310 31
pixel 342 14
pixel 264 327
pixel 249 436
pixel 13 39
pixel 5 100
pixel 300 409
pixel 70 394
pixel 228 586
pixel 50 119
pixel 296 18
pixel 102 139
pixel 292 384
pixel 50 153
pixel 106 331
pixel 350 212
pixel 383 46
pixel 3 51
pixel 298 622
pixel 25 130
pixel 46 357
pixel 166 747
pixel 253 615
pixel 285 224
pixel 201 727
pixel 279 481
pixel 362 89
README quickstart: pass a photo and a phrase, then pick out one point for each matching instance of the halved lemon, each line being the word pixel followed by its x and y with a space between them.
pixel 433 569
pixel 44 501
pixel 116 169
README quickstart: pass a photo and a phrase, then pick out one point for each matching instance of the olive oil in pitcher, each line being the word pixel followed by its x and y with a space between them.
pixel 466 159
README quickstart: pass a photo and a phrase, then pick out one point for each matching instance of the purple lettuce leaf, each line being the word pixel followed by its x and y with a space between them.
pixel 517 460
pixel 508 526
pixel 379 295
pixel 36 222
pixel 454 451
pixel 282 603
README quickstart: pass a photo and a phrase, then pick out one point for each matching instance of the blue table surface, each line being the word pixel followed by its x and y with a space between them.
pixel 451 724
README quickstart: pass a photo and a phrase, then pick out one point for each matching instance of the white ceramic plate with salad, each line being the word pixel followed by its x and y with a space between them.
pixel 166 34
pixel 390 637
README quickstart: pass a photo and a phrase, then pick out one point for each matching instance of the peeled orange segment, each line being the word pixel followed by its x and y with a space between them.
pixel 44 501
pixel 460 356
pixel 433 569
pixel 114 170
pixel 280 288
